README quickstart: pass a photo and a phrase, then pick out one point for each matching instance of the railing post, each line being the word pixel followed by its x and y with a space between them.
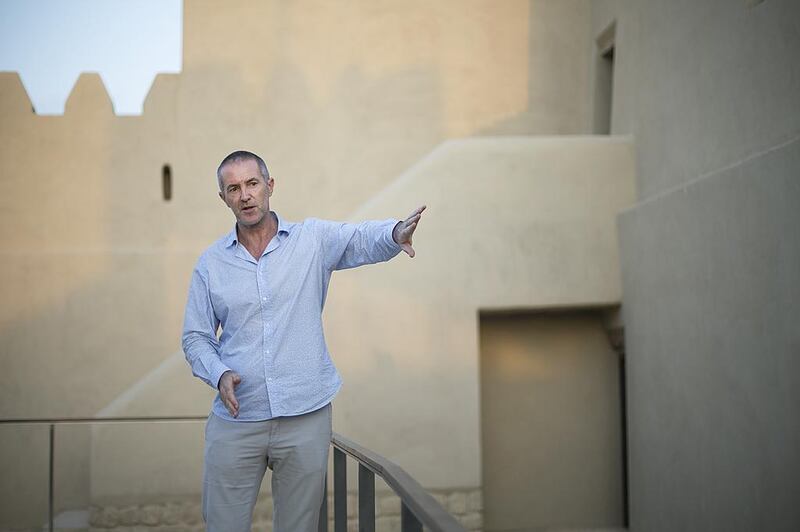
pixel 322 526
pixel 51 480
pixel 409 521
pixel 366 499
pixel 339 491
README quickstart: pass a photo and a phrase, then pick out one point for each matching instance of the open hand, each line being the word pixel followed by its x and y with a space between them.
pixel 227 384
pixel 404 230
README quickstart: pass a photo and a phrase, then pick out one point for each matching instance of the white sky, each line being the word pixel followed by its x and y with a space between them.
pixel 50 42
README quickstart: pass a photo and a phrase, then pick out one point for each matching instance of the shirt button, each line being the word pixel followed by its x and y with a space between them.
pixel 264 298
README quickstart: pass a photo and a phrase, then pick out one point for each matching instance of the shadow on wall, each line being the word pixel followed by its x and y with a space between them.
pixel 559 47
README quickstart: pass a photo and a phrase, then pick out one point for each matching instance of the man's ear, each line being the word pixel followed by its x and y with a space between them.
pixel 222 197
pixel 270 185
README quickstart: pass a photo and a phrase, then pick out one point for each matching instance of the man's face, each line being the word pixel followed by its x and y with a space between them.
pixel 245 192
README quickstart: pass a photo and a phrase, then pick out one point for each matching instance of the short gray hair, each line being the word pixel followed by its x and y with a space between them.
pixel 238 156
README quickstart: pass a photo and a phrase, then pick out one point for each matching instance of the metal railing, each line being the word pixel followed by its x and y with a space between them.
pixel 418 507
pixel 84 421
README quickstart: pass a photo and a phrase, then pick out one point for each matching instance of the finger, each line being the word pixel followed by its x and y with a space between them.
pixel 229 399
pixel 413 219
pixel 228 406
pixel 226 400
pixel 408 230
pixel 416 212
pixel 408 249
pixel 232 399
pixel 416 215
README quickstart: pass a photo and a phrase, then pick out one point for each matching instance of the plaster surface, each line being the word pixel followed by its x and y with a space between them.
pixel 712 283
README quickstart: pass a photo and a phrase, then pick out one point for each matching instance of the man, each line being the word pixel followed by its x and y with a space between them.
pixel 263 286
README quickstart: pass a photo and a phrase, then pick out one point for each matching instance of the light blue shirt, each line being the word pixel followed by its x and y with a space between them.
pixel 269 311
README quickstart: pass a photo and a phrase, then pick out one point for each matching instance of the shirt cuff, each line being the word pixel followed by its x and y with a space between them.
pixel 216 374
pixel 392 223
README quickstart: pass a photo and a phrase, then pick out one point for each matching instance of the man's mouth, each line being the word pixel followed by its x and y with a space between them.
pixel 248 208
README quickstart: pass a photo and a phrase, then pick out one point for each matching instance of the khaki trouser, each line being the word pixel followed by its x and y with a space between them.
pixel 237 455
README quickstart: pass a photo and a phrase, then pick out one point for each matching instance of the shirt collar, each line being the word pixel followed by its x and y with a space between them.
pixel 283 227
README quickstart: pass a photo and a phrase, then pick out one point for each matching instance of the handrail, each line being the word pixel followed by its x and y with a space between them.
pixel 88 420
pixel 429 512
pixel 418 506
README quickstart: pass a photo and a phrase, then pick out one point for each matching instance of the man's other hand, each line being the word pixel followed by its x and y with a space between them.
pixel 404 230
pixel 227 384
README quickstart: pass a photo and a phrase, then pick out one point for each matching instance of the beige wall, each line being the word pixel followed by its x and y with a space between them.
pixel 709 91
pixel 514 222
pixel 558 78
pixel 404 334
pixel 339 111
pixel 702 85
pixel 353 105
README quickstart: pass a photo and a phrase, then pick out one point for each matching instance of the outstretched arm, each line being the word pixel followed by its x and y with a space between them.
pixel 404 230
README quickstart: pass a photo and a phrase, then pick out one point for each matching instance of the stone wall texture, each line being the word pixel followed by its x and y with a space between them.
pixel 466 505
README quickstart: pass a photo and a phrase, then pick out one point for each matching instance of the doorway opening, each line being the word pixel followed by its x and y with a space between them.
pixel 552 421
